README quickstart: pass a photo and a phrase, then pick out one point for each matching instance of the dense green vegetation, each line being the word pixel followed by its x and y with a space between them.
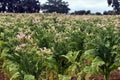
pixel 59 47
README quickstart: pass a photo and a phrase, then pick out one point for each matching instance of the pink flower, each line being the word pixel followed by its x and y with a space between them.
pixel 20 46
pixel 21 36
pixel 119 68
pixel 23 45
pixel 17 48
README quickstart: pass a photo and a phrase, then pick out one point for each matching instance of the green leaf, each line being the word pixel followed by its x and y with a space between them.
pixel 87 76
pixel 64 77
pixel 96 63
pixel 71 69
pixel 89 53
pixel 14 76
pixel 29 77
pixel 4 53
pixel 1 44
pixel 71 56
pixel 51 63
pixel 80 75
pixel 88 69
pixel 94 67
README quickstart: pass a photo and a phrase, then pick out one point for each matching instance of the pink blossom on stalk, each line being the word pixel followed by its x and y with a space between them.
pixel 17 48
pixel 23 45
pixel 21 36
pixel 20 46
pixel 119 68
pixel 45 50
pixel 28 37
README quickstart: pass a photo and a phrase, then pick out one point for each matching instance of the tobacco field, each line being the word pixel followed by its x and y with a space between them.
pixel 60 47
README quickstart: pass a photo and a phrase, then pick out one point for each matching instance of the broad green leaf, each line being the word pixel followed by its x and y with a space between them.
pixel 64 77
pixel 4 53
pixel 89 53
pixel 29 77
pixel 1 44
pixel 71 56
pixel 71 69
pixel 97 62
pixel 88 69
pixel 15 76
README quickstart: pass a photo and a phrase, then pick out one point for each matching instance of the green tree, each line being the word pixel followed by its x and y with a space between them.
pixel 20 6
pixel 115 4
pixel 30 6
pixel 58 6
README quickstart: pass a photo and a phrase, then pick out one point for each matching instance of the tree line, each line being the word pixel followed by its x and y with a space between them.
pixel 33 6
pixel 88 12
pixel 19 6
pixel 58 6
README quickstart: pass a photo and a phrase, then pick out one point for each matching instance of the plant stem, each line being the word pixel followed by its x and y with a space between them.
pixel 107 75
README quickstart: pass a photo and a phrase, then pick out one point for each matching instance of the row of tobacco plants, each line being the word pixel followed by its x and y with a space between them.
pixel 58 47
